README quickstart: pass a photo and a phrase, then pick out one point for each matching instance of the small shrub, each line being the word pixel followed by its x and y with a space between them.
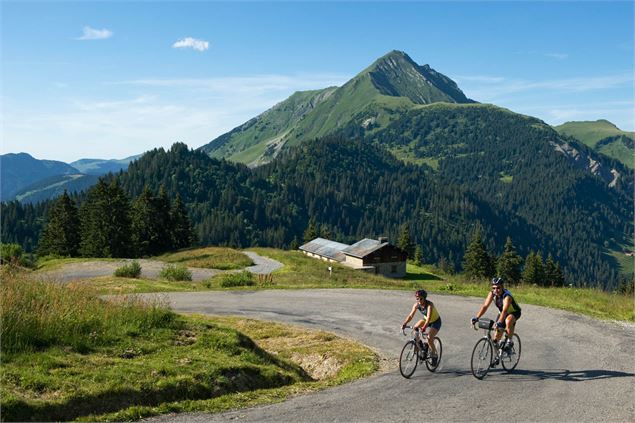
pixel 175 272
pixel 130 270
pixel 243 278
pixel 10 253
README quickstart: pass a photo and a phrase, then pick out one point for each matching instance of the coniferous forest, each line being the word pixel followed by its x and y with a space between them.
pixel 350 188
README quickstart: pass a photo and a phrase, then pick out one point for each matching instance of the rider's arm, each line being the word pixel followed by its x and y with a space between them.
pixel 411 315
pixel 485 305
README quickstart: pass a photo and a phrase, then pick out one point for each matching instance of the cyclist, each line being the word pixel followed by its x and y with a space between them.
pixel 509 311
pixel 431 319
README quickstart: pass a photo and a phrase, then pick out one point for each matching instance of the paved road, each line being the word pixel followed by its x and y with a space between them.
pixel 149 269
pixel 572 368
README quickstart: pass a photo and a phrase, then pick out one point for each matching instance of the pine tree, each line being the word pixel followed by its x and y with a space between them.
pixel 508 266
pixel 476 262
pixel 162 218
pixel 418 255
pixel 559 276
pixel 540 269
pixel 533 272
pixel 325 232
pixel 550 272
pixel 405 243
pixel 61 235
pixel 144 230
pixel 311 232
pixel 105 222
pixel 181 229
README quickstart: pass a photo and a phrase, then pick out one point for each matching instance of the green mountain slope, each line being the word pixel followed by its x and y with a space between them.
pixel 391 85
pixel 262 135
pixel 604 137
pixel 54 186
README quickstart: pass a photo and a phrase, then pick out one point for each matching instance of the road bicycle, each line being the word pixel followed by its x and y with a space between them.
pixel 416 350
pixel 487 354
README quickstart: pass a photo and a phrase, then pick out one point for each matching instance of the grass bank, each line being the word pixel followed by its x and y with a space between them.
pixel 68 355
pixel 208 258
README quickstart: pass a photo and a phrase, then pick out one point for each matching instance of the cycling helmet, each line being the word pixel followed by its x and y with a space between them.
pixel 421 293
pixel 497 281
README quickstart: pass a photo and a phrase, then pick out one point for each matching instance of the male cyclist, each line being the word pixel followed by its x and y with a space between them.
pixel 509 311
pixel 431 319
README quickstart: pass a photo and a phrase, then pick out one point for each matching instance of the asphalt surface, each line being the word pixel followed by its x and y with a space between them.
pixel 572 368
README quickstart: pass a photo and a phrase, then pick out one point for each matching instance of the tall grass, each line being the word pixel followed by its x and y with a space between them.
pixel 38 314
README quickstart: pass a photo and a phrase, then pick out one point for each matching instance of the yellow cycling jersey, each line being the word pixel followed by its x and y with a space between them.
pixel 424 311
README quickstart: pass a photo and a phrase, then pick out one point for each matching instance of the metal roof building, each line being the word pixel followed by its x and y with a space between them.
pixel 325 248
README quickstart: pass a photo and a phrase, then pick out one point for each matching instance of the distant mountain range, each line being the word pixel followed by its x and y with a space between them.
pixel 27 179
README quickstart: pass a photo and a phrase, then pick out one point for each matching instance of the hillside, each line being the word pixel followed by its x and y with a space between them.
pixel 392 84
pixel 18 171
pixel 54 186
pixel 604 137
pixel 260 138
pixel 100 167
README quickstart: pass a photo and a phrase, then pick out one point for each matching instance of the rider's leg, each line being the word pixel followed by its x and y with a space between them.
pixel 510 323
pixel 499 332
pixel 431 334
pixel 417 326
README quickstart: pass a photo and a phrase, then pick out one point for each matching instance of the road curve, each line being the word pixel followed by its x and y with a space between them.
pixel 572 368
pixel 149 269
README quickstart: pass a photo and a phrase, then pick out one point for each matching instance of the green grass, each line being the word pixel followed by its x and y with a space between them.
pixel 302 272
pixel 208 258
pixel 47 263
pixel 135 359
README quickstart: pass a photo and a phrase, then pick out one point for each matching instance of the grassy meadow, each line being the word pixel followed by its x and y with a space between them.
pixel 302 272
pixel 69 355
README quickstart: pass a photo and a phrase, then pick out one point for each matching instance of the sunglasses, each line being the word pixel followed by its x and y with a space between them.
pixel 496 288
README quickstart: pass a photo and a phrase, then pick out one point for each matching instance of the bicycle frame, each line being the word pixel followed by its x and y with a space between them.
pixel 508 358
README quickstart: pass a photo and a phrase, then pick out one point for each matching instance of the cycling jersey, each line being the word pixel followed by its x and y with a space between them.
pixel 513 306
pixel 424 311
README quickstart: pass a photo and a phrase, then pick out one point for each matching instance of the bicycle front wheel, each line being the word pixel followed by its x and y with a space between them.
pixel 408 359
pixel 482 357
pixel 431 363
pixel 510 359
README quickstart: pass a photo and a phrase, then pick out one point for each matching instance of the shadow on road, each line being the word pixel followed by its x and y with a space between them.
pixel 566 375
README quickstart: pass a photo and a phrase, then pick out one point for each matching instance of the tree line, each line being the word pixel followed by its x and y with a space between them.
pixel 355 189
pixel 108 224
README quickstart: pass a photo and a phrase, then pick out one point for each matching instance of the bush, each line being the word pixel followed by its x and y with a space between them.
pixel 14 255
pixel 130 270
pixel 243 278
pixel 173 272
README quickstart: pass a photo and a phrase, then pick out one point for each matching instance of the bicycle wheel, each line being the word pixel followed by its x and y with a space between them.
pixel 510 359
pixel 408 359
pixel 482 357
pixel 439 347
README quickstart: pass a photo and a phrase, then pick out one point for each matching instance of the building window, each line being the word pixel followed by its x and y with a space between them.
pixel 393 268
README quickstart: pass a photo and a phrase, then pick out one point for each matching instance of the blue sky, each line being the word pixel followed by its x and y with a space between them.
pixel 113 79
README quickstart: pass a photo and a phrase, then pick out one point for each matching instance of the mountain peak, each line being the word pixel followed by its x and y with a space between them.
pixel 396 74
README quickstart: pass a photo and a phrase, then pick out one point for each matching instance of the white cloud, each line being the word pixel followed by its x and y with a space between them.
pixel 95 34
pixel 493 89
pixel 557 56
pixel 193 111
pixel 189 42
